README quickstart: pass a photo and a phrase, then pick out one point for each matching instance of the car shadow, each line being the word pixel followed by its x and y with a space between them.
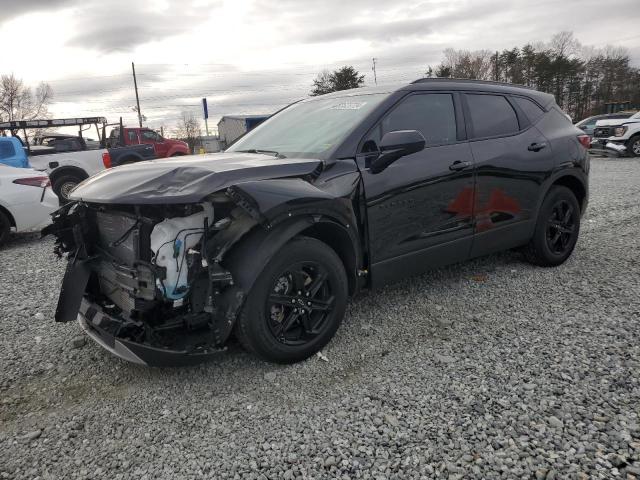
pixel 20 239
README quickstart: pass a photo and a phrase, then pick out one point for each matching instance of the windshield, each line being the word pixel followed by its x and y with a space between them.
pixel 309 129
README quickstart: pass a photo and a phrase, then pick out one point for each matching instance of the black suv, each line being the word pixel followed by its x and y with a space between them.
pixel 330 195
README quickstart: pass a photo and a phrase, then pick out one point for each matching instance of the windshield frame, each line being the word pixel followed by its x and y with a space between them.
pixel 332 153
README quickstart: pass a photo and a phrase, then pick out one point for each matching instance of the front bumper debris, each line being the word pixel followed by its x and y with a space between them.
pixel 607 146
pixel 103 328
pixel 616 147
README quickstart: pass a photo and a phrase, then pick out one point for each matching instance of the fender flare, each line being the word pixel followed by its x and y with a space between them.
pixel 250 255
pixel 575 174
pixel 176 150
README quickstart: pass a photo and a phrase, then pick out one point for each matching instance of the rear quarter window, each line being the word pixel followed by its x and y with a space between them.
pixel 532 110
pixel 491 116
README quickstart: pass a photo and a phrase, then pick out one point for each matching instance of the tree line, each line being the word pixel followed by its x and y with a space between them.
pixel 582 79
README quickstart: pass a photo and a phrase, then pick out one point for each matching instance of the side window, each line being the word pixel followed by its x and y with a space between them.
pixel 6 150
pixel 133 137
pixel 533 111
pixel 149 135
pixel 491 115
pixel 431 114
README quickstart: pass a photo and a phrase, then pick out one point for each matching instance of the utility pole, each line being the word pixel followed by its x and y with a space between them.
pixel 375 78
pixel 135 84
pixel 497 68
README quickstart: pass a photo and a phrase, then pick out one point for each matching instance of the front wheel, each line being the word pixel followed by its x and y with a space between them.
pixel 557 228
pixel 297 303
pixel 634 146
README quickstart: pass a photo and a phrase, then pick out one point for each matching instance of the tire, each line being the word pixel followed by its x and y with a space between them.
pixel 5 228
pixel 305 271
pixel 557 229
pixel 64 184
pixel 633 147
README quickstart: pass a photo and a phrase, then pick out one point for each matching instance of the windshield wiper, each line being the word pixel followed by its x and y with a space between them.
pixel 262 152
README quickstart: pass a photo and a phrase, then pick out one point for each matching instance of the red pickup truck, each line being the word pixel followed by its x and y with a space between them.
pixel 163 147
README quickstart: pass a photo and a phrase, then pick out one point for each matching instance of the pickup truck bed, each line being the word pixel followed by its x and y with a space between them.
pixel 67 170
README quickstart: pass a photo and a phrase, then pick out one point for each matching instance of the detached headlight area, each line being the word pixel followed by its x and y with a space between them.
pixel 620 131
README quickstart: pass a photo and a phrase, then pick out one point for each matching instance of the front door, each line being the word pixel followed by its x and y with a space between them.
pixel 419 209
pixel 150 137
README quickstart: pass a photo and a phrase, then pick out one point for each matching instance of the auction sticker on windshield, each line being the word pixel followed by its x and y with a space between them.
pixel 349 106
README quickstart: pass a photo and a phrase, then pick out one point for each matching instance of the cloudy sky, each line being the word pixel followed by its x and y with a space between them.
pixel 255 56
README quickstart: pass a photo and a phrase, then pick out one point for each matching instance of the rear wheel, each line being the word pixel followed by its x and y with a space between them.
pixel 557 228
pixel 5 228
pixel 634 146
pixel 63 185
pixel 297 303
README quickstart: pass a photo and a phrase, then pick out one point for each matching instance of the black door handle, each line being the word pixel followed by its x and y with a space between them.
pixel 458 165
pixel 536 147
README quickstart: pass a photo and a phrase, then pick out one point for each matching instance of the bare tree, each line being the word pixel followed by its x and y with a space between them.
pixel 189 130
pixel 19 102
pixel 322 84
pixel 466 64
pixel 564 44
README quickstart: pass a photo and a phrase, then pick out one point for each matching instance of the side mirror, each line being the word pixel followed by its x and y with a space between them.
pixel 395 145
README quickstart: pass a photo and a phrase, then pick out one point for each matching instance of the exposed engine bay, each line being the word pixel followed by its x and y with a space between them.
pixel 153 272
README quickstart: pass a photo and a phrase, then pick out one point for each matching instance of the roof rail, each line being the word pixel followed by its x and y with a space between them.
pixel 468 80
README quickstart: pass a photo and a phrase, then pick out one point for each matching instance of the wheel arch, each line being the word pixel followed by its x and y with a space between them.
pixel 630 142
pixel 574 184
pixel 247 258
pixel 8 214
pixel 68 170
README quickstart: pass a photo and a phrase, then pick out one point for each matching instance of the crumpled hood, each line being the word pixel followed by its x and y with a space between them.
pixel 186 179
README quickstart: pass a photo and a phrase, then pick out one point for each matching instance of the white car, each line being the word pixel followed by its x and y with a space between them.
pixel 26 200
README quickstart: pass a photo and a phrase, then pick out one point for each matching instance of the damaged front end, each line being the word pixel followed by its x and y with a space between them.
pixel 146 281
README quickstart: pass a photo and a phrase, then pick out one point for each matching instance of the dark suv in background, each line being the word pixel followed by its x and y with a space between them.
pixel 332 194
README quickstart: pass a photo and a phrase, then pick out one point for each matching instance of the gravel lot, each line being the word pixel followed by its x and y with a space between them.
pixel 491 369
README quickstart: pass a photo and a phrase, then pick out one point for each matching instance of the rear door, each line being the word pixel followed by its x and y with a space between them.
pixel 419 208
pixel 512 160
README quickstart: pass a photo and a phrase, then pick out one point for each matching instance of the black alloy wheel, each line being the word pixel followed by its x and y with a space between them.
pixel 557 228
pixel 300 303
pixel 296 304
pixel 561 227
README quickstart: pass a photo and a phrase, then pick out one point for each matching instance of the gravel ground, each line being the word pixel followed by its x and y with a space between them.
pixel 490 369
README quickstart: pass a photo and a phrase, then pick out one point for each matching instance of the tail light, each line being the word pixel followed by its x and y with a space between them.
pixel 41 182
pixel 585 141
pixel 106 159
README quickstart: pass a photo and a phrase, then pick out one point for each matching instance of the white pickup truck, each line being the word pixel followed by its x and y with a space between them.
pixel 66 169
pixel 621 136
